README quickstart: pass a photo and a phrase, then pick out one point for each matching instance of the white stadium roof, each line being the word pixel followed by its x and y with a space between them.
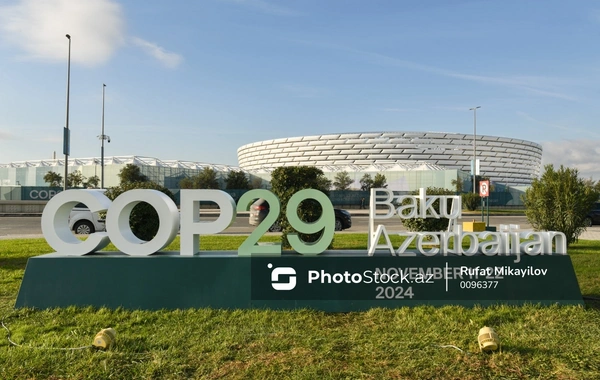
pixel 116 160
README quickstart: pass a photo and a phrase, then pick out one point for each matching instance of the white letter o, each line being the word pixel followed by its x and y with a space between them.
pixel 119 230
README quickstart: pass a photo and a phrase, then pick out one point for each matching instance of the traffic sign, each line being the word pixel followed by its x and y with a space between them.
pixel 484 189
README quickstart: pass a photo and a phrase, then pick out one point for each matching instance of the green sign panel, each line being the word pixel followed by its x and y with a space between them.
pixel 414 280
pixel 334 281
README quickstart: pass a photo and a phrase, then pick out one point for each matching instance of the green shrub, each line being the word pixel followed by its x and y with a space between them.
pixel 144 218
pixel 559 201
pixel 429 224
pixel 287 181
pixel 471 201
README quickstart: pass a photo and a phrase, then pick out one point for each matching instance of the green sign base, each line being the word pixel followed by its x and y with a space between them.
pixel 337 281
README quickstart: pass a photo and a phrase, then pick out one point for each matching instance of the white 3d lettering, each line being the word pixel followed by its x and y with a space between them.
pixel 55 225
pixel 451 241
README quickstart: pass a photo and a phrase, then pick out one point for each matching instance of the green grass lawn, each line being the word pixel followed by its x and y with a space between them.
pixel 551 342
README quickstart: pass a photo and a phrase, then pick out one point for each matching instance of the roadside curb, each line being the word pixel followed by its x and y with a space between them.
pixel 21 215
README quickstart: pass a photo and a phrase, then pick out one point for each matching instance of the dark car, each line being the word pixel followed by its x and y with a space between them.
pixel 593 217
pixel 260 208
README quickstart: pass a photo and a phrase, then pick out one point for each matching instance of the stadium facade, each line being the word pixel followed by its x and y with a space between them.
pixel 507 161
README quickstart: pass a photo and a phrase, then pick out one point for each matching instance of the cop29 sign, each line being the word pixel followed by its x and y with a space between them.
pixel 55 221
pixel 55 225
pixel 447 267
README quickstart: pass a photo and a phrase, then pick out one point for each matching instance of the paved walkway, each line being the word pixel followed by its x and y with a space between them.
pixel 592 233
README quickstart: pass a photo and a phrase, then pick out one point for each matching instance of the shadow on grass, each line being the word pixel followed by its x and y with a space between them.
pixel 583 247
pixel 13 263
pixel 592 301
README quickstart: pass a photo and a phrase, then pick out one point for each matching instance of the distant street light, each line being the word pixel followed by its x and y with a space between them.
pixel 102 137
pixel 474 109
pixel 66 137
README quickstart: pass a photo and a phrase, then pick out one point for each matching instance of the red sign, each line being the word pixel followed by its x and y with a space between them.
pixel 484 188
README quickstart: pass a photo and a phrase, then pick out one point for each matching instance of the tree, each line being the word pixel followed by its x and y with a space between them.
pixel 594 185
pixel 208 179
pixel 366 182
pixel 93 181
pixel 379 182
pixel 131 173
pixel 324 183
pixel 53 179
pixel 237 179
pixel 559 201
pixel 205 179
pixel 187 183
pixel 257 183
pixel 342 181
pixel 288 180
pixel 75 179
pixel 429 224
pixel 458 184
pixel 144 218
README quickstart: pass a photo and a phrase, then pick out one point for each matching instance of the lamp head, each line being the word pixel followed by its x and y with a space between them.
pixel 68 36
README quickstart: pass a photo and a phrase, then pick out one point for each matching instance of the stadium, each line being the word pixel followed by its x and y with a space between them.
pixel 409 160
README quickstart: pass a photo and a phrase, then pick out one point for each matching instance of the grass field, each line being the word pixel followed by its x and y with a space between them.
pixel 409 343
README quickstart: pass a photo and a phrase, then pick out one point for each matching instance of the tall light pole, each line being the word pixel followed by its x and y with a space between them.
pixel 102 137
pixel 474 109
pixel 66 136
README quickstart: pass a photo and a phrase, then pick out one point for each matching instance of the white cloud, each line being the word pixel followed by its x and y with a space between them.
pixel 579 154
pixel 6 135
pixel 38 28
pixel 97 28
pixel 167 58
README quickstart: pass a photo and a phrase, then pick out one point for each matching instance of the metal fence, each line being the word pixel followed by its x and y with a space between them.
pixel 349 199
pixel 28 193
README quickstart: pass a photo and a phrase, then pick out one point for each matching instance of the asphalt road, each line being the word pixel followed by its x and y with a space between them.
pixel 13 226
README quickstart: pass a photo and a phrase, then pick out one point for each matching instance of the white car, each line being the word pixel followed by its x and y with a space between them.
pixel 84 222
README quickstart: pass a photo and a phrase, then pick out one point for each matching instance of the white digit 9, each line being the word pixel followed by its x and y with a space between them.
pixel 325 223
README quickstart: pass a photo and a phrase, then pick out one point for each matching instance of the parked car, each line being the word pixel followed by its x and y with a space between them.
pixel 593 217
pixel 84 222
pixel 260 208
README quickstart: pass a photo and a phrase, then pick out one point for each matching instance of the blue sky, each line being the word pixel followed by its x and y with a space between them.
pixel 194 80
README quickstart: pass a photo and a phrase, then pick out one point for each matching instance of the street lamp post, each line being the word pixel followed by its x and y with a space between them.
pixel 102 137
pixel 474 109
pixel 66 137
